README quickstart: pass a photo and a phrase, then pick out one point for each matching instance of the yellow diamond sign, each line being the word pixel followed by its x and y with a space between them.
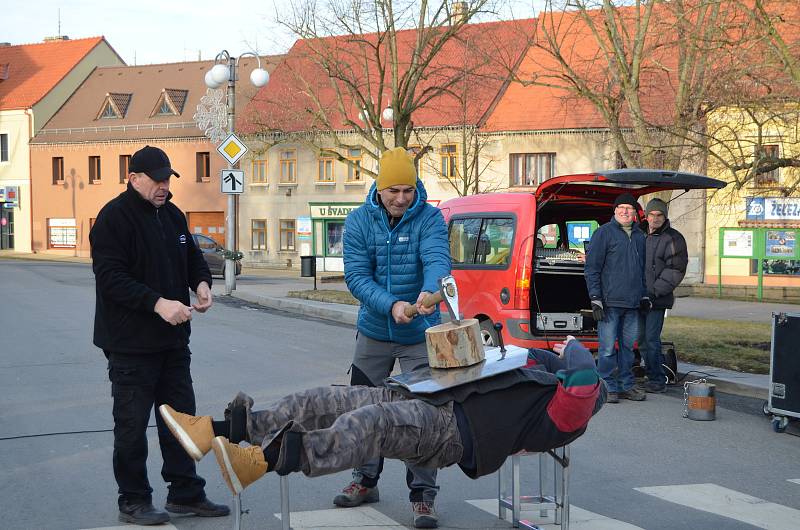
pixel 232 149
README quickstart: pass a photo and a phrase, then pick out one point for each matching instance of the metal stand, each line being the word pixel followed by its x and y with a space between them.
pixel 285 522
pixel 552 508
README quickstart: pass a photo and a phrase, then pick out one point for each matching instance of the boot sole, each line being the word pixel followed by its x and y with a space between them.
pixel 181 435
pixel 172 508
pixel 354 504
pixel 225 465
pixel 126 518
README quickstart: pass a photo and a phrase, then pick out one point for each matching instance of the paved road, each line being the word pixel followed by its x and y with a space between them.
pixel 640 465
pixel 716 309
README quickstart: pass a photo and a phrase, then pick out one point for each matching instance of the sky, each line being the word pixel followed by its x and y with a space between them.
pixel 163 31
pixel 151 31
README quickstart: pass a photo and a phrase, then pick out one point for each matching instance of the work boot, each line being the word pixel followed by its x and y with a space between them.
pixel 194 433
pixel 144 514
pixel 654 387
pixel 203 508
pixel 424 515
pixel 613 397
pixel 240 466
pixel 634 394
pixel 355 495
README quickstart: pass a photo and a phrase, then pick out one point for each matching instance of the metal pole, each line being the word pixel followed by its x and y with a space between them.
pixel 230 224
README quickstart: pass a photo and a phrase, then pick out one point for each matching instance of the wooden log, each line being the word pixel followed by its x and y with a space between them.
pixel 452 345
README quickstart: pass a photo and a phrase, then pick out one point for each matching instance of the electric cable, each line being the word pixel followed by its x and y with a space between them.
pixel 41 435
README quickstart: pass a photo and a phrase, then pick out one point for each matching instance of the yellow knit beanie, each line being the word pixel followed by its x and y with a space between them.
pixel 396 167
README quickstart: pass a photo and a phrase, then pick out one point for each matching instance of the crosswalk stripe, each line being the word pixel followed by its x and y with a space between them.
pixel 579 519
pixel 795 480
pixel 728 503
pixel 338 519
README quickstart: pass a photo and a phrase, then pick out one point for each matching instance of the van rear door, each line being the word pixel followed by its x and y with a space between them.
pixel 603 186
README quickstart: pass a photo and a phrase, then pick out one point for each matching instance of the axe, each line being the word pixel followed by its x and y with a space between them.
pixel 448 292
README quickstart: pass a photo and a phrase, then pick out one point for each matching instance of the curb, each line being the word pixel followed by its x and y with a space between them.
pixel 309 308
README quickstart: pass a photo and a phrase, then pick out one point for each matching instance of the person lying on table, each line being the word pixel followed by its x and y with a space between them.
pixel 544 405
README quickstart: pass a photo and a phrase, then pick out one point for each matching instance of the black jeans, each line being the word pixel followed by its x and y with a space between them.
pixel 139 381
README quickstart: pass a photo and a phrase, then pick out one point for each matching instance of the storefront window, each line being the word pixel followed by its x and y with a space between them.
pixel 335 230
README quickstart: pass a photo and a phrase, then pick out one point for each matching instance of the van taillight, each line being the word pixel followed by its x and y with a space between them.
pixel 522 280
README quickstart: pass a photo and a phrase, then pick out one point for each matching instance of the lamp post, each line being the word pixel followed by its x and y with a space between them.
pixel 225 70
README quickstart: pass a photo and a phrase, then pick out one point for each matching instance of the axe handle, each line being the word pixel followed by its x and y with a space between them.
pixel 428 301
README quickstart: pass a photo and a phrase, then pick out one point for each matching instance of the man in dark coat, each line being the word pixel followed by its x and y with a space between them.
pixel 614 274
pixel 666 258
pixel 145 261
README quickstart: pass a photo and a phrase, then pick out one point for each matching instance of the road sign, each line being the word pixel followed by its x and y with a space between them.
pixel 232 181
pixel 232 149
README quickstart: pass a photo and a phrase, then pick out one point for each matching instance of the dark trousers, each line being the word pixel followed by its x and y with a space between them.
pixel 139 381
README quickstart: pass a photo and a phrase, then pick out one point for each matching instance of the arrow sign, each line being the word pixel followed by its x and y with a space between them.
pixel 232 181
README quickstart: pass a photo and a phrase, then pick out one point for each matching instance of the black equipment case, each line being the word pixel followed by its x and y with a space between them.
pixel 784 368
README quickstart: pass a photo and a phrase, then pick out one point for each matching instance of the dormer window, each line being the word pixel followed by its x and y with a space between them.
pixel 115 106
pixel 170 103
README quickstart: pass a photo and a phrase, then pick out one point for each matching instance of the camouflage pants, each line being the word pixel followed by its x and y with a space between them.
pixel 345 426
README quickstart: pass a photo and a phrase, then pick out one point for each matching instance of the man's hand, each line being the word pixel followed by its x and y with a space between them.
pixel 597 311
pixel 421 308
pixel 645 305
pixel 173 311
pixel 204 298
pixel 561 346
pixel 398 312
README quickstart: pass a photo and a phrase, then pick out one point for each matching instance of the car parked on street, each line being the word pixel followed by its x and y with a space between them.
pixel 518 258
pixel 213 253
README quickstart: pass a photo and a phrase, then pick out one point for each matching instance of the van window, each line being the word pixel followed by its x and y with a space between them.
pixel 482 241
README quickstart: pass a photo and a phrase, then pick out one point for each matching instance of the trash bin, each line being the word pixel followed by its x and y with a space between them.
pixel 308 266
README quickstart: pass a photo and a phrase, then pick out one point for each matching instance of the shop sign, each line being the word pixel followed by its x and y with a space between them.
pixel 332 211
pixel 773 208
pixel 9 196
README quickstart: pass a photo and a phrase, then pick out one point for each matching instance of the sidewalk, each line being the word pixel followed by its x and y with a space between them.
pixel 269 288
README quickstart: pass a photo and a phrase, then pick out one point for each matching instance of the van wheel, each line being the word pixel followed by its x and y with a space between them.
pixel 488 333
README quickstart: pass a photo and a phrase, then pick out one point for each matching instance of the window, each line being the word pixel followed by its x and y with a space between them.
pixel 414 150
pixel 481 241
pixel 203 164
pixel 205 242
pixel 124 168
pixel 325 169
pixel 94 169
pixel 4 147
pixel 114 106
pixel 288 166
pixel 58 170
pixel 259 171
pixel 449 158
pixel 354 167
pixel 165 109
pixel 287 234
pixel 531 169
pixel 335 231
pixel 258 234
pixel 769 179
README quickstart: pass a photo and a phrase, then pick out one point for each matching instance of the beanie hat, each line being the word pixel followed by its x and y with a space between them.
pixel 625 198
pixel 396 167
pixel 656 205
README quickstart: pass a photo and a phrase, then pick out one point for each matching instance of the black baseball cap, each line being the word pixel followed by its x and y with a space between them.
pixel 153 162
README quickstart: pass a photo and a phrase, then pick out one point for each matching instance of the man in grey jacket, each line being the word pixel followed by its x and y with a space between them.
pixel 665 265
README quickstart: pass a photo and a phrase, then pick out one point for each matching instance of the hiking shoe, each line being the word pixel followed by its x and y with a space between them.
pixel 240 466
pixel 203 508
pixel 654 387
pixel 144 514
pixel 194 433
pixel 634 394
pixel 613 397
pixel 355 495
pixel 424 515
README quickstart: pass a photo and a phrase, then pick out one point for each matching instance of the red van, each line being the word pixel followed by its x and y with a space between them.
pixel 518 257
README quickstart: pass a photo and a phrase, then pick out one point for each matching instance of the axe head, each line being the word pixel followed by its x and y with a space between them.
pixel 447 286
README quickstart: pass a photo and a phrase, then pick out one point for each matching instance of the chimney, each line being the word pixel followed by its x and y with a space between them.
pixel 458 11
pixel 56 37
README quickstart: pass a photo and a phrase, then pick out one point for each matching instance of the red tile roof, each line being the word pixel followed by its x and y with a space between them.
pixel 488 51
pixel 35 69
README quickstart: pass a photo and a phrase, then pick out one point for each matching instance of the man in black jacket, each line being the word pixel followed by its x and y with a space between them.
pixel 476 425
pixel 665 265
pixel 145 261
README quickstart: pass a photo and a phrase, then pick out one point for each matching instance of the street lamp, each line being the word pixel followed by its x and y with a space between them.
pixel 225 70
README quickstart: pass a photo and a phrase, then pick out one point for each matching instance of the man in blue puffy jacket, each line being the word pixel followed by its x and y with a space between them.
pixel 615 280
pixel 395 251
